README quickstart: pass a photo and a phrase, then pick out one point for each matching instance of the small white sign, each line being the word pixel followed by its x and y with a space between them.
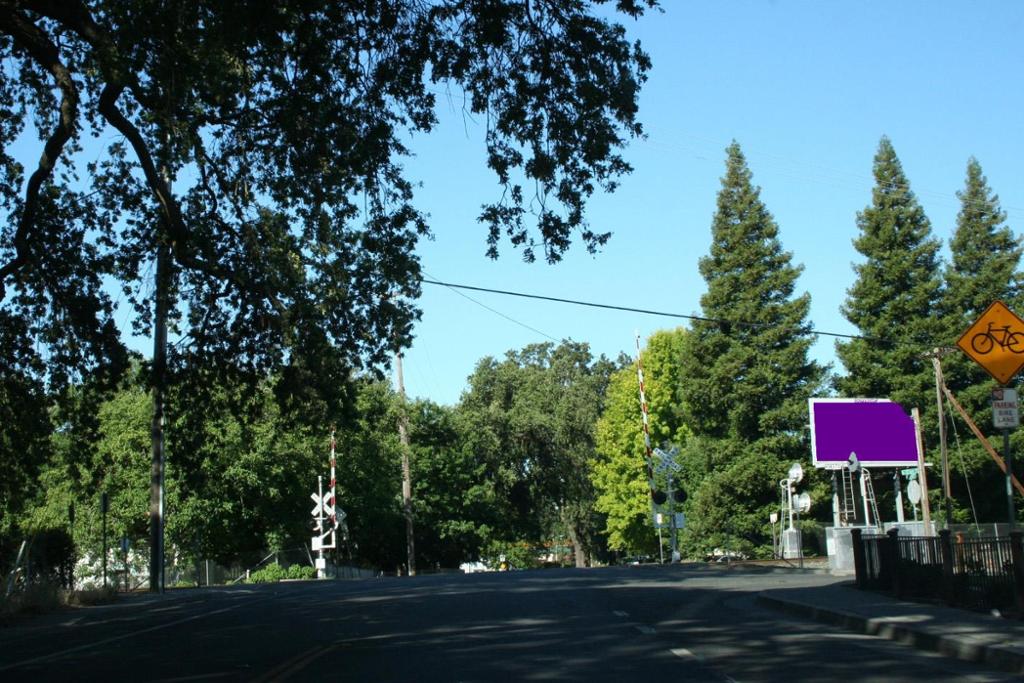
pixel 1005 410
pixel 914 492
pixel 321 563
pixel 318 543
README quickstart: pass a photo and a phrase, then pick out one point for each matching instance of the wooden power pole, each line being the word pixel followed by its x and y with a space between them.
pixel 403 437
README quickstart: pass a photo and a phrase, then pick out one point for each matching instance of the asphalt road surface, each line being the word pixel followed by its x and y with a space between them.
pixel 647 623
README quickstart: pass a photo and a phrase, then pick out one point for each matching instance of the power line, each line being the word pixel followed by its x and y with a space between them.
pixel 725 324
pixel 455 289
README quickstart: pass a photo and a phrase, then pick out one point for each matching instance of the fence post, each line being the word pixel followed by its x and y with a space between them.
pixel 893 559
pixel 946 548
pixel 859 566
pixel 1017 556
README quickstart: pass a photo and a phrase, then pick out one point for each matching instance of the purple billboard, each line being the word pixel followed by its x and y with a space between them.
pixel 879 431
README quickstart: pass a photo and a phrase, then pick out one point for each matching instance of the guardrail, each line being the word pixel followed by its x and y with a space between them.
pixel 983 573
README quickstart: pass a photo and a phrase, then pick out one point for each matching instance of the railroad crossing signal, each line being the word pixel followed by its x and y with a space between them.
pixel 324 504
pixel 996 342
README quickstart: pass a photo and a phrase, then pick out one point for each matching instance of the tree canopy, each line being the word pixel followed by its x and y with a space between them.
pixel 618 469
pixel 529 421
pixel 261 144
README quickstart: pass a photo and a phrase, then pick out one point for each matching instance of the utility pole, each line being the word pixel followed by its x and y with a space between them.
pixel 104 506
pixel 156 471
pixel 936 356
pixel 922 474
pixel 403 437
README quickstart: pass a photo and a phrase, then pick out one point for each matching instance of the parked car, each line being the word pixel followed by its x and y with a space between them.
pixel 723 555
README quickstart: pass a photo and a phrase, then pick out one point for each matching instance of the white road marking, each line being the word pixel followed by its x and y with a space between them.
pixel 646 630
pixel 620 613
pixel 686 654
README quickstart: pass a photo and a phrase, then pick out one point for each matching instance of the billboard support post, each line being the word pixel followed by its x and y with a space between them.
pixel 939 383
pixel 899 497
pixel 922 474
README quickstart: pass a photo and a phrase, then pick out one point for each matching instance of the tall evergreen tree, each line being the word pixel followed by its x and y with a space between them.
pixel 746 372
pixel 984 267
pixel 895 300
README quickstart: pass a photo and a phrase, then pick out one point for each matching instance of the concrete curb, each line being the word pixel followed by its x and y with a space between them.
pixel 966 647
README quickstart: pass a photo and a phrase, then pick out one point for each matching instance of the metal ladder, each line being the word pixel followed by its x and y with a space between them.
pixel 848 511
pixel 869 496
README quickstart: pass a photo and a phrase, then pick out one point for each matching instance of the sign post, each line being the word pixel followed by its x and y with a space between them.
pixel 996 342
pixel 1006 416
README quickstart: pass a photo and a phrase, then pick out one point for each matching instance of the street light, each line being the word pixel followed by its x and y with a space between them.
pixel 794 505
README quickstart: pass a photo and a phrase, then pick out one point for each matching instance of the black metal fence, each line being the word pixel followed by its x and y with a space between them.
pixel 976 573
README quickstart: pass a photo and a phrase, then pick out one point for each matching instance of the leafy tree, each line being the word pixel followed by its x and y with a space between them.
pixel 746 376
pixel 450 494
pixel 984 267
pixel 530 421
pixel 255 166
pixel 896 296
pixel 261 150
pixel 24 446
pixel 618 469
pixel 239 481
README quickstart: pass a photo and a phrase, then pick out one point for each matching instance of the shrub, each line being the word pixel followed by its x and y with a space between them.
pixel 269 574
pixel 301 571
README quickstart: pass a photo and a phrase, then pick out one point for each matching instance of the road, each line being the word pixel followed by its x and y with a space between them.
pixel 647 623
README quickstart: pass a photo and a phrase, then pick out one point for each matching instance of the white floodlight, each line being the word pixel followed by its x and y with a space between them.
pixel 854 464
pixel 796 473
pixel 802 502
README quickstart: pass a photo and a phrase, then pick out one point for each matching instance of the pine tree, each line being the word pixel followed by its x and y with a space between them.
pixel 746 373
pixel 985 254
pixel 894 301
pixel 984 267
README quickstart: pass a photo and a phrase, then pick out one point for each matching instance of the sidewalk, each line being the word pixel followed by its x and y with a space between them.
pixel 966 635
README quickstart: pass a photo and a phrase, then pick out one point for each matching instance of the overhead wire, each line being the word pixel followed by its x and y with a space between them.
pixel 455 289
pixel 725 324
pixel 963 466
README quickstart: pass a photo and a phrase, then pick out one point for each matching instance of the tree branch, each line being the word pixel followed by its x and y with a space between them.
pixel 40 49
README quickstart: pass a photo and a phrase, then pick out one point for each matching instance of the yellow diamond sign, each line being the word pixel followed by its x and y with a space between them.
pixel 996 342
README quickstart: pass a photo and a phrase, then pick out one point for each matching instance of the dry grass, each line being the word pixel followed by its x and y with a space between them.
pixel 91 596
pixel 41 598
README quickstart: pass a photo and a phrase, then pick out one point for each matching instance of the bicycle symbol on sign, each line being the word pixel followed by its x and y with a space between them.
pixel 984 342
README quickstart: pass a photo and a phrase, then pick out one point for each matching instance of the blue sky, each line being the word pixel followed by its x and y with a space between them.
pixel 807 89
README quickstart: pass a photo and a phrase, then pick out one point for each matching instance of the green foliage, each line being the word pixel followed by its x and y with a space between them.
pixel 510 555
pixel 984 267
pixel 618 470
pixel 529 422
pixel 24 445
pixel 301 571
pixel 450 494
pixel 895 297
pixel 281 128
pixel 746 376
pixel 272 573
pixel 239 481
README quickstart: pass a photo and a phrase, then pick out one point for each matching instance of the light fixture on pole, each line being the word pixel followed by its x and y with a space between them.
pixel 795 504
